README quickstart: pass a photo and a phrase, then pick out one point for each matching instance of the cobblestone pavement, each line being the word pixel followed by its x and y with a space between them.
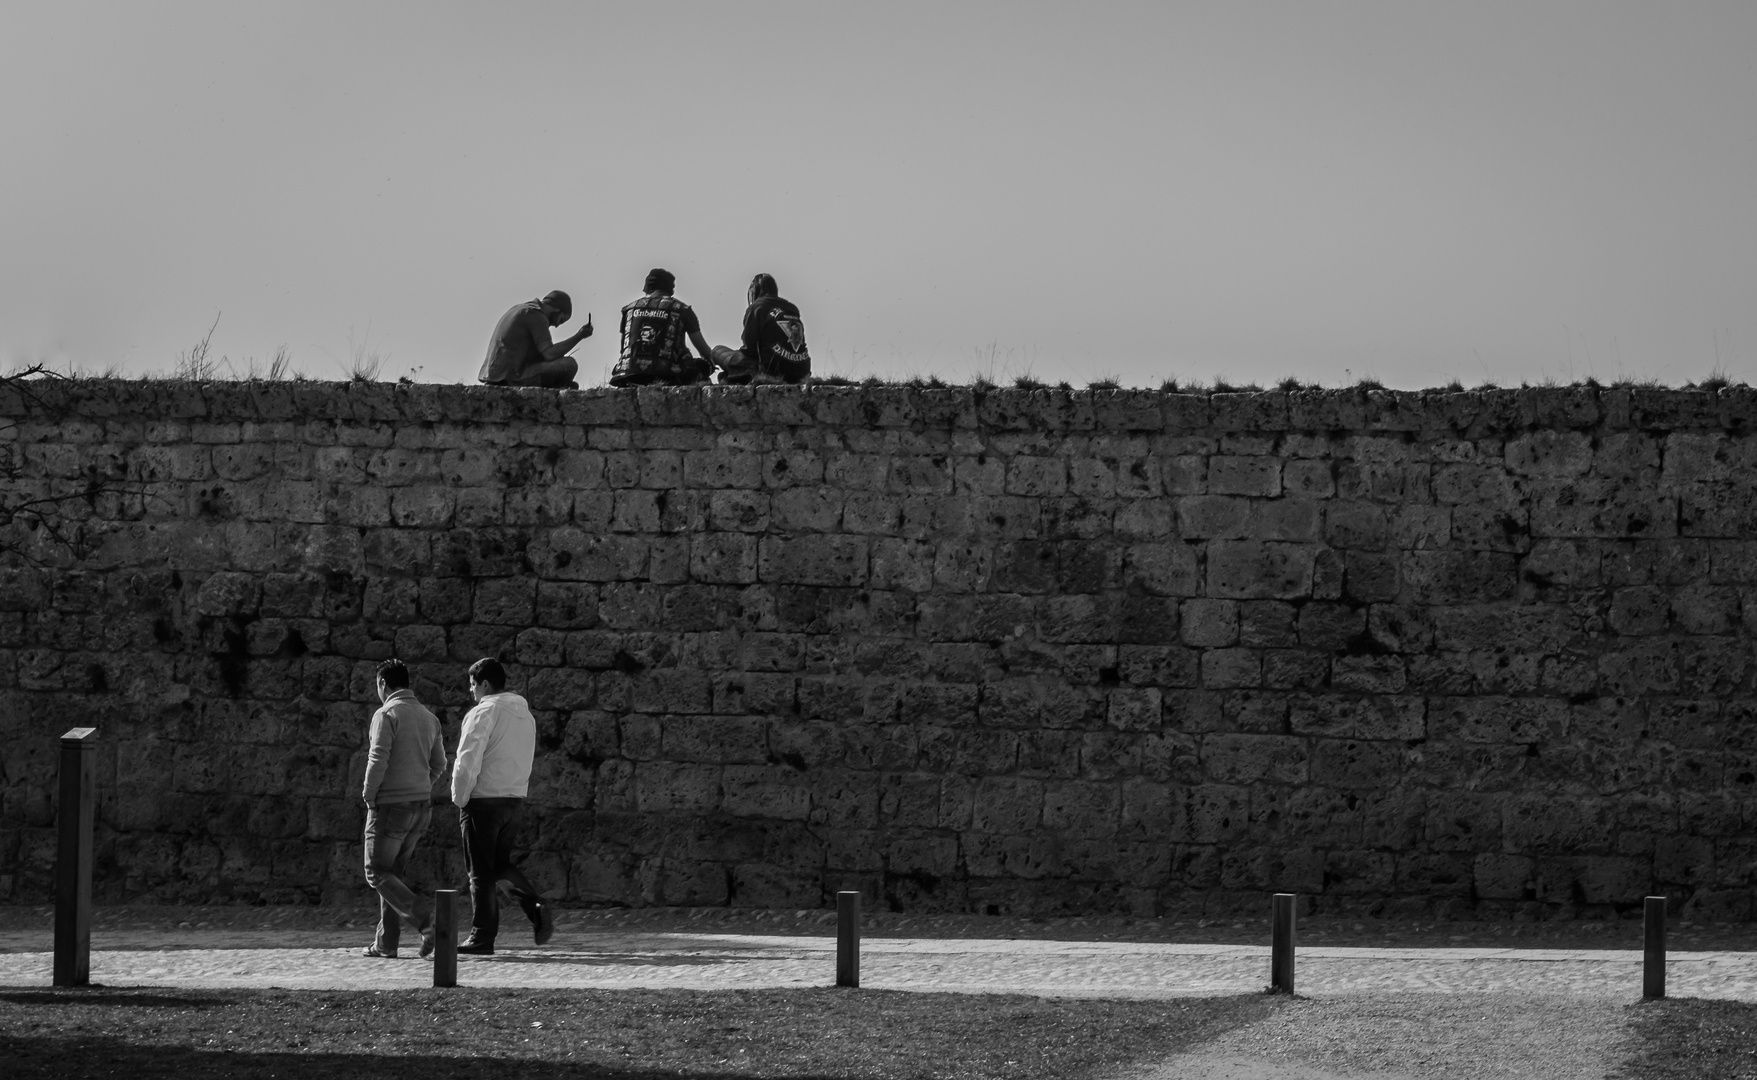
pixel 603 958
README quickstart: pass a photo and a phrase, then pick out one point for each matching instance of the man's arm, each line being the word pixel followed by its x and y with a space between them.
pixel 471 745
pixel 377 754
pixel 556 352
pixel 692 326
pixel 701 346
pixel 748 339
pixel 547 346
pixel 436 757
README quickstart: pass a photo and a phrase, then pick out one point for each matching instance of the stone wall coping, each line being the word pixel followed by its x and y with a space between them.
pixel 1468 413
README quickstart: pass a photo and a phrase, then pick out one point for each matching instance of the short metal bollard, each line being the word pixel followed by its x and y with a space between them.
pixel 1653 950
pixel 1281 939
pixel 73 859
pixel 445 937
pixel 848 939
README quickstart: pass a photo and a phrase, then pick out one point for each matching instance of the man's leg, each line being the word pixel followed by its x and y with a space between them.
pixel 418 911
pixel 541 916
pixel 641 378
pixel 520 886
pixel 387 831
pixel 550 373
pixel 734 371
pixel 478 822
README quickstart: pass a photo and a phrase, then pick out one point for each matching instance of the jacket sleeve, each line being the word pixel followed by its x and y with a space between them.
pixel 436 758
pixel 378 753
pixel 748 339
pixel 471 745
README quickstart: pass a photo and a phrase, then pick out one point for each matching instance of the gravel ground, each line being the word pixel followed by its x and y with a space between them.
pixel 1418 1037
pixel 1376 1035
pixel 21 921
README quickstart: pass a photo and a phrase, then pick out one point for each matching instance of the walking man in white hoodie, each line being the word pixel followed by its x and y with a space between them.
pixel 404 760
pixel 488 784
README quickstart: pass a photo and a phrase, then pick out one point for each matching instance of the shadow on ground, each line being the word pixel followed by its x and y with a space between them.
pixel 610 1034
pixel 1694 1039
pixel 106 1057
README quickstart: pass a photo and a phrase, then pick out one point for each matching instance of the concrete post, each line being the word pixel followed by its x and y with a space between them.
pixel 73 858
pixel 847 939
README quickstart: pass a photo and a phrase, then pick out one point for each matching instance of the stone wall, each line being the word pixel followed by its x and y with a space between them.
pixel 995 651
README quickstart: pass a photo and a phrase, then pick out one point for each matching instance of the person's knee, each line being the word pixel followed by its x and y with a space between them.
pixel 377 874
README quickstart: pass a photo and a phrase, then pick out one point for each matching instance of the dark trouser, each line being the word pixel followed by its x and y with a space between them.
pixel 392 831
pixel 488 827
pixel 737 369
pixel 551 373
pixel 684 371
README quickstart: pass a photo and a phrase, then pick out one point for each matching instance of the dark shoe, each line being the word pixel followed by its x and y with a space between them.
pixel 473 947
pixel 544 924
pixel 429 941
pixel 376 952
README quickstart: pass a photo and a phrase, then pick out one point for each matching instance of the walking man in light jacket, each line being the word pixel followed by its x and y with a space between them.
pixel 405 759
pixel 488 784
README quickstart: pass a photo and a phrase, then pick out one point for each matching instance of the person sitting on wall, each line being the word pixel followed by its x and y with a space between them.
pixel 521 352
pixel 653 332
pixel 774 340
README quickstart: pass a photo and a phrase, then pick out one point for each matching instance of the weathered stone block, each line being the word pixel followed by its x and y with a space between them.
pixel 1253 758
pixel 1203 517
pixel 1246 569
pixel 814 560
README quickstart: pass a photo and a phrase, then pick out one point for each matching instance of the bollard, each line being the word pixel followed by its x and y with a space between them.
pixel 1653 960
pixel 445 937
pixel 847 939
pixel 73 859
pixel 1281 939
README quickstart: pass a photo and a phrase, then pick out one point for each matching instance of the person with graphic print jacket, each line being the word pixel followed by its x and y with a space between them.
pixel 774 340
pixel 654 329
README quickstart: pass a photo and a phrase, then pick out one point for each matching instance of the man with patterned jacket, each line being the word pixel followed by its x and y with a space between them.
pixel 654 329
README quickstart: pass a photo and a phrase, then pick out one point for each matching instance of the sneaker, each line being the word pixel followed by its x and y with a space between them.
pixel 379 954
pixel 429 941
pixel 543 924
pixel 473 947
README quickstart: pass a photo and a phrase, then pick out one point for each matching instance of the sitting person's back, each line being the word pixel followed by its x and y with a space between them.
pixel 654 330
pixel 773 346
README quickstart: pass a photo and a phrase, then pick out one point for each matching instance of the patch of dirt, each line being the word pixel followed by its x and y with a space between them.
pixel 1417 1037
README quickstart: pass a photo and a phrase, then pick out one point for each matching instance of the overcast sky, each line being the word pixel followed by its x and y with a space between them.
pixel 1415 192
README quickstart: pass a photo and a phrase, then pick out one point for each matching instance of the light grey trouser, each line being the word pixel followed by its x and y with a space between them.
pixel 392 831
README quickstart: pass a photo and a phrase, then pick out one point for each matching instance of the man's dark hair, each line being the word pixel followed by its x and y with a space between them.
pixel 489 673
pixel 659 280
pixel 394 674
pixel 561 302
pixel 762 285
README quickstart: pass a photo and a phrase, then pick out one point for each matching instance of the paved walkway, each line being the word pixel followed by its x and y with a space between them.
pixel 316 960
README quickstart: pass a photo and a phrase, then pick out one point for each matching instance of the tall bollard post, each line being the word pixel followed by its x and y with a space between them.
pixel 73 858
pixel 1281 940
pixel 445 937
pixel 1653 959
pixel 848 939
